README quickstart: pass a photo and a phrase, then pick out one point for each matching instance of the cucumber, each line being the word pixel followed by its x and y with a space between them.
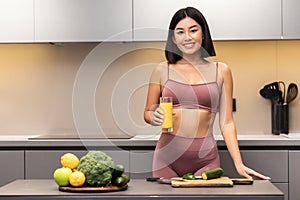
pixel 189 176
pixel 126 177
pixel 118 171
pixel 120 181
pixel 213 173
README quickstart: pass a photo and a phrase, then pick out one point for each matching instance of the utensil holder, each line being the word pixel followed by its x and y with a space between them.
pixel 280 118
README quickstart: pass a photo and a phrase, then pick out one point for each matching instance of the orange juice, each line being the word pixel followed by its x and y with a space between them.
pixel 167 109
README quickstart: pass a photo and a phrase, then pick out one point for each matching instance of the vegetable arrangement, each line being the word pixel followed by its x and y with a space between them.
pixel 97 170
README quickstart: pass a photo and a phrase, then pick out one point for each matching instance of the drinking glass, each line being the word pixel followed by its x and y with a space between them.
pixel 166 104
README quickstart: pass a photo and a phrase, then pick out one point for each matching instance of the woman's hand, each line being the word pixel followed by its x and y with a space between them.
pixel 249 173
pixel 157 117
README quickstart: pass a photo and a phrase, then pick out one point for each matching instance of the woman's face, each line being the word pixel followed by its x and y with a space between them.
pixel 188 36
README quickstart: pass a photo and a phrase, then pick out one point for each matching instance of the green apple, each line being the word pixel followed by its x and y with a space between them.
pixel 61 176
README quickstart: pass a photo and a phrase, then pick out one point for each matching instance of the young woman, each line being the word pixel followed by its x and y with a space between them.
pixel 199 89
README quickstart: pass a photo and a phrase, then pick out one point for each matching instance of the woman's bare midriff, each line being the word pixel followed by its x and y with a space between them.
pixel 193 123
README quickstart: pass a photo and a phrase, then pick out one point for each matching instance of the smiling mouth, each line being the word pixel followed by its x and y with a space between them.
pixel 189 45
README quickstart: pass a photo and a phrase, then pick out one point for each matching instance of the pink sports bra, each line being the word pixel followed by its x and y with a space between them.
pixel 193 96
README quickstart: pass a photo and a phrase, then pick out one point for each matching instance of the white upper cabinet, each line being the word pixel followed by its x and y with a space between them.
pixel 291 16
pixel 16 21
pixel 83 20
pixel 228 20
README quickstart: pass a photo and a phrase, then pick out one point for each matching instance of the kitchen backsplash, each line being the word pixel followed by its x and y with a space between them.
pixel 45 87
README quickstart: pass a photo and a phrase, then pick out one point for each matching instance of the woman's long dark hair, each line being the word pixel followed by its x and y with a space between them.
pixel 172 53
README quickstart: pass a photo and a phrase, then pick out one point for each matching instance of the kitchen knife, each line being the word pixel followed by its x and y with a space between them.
pixel 159 180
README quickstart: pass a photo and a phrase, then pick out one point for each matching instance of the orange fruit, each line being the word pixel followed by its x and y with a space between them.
pixel 77 179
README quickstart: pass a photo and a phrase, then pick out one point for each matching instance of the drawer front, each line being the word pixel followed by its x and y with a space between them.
pixel 141 164
pixel 294 181
pixel 11 165
pixel 42 164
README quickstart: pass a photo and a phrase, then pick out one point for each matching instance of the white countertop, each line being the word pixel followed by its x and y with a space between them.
pixel 240 137
pixel 291 140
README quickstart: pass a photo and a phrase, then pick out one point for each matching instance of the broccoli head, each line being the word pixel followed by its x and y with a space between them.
pixel 97 168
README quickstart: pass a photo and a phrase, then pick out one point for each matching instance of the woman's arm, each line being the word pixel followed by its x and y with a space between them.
pixel 228 127
pixel 152 113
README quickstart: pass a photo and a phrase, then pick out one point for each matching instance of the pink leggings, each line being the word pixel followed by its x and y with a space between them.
pixel 175 156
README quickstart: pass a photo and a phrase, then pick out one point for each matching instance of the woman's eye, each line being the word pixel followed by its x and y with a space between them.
pixel 194 30
pixel 179 32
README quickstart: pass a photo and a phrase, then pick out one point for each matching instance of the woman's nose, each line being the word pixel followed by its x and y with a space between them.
pixel 187 37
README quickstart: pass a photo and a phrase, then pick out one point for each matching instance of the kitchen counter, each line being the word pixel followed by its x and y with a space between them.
pixel 138 142
pixel 140 189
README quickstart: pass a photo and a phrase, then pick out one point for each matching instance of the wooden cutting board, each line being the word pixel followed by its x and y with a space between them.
pixel 218 182
pixel 110 188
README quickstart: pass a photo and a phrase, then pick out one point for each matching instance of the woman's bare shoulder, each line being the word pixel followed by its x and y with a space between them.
pixel 224 69
pixel 162 66
pixel 223 66
pixel 159 72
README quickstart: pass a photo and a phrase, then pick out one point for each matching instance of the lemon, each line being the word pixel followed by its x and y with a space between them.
pixel 69 160
pixel 77 179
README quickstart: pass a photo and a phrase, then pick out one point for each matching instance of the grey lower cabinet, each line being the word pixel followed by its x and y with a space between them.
pixel 11 165
pixel 273 163
pixel 294 175
pixel 42 164
pixel 141 164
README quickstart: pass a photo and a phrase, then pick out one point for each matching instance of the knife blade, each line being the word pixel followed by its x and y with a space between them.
pixel 159 180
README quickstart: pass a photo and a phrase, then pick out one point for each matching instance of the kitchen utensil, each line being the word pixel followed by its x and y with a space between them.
pixel 273 94
pixel 159 180
pixel 283 91
pixel 292 92
pixel 272 91
pixel 242 181
pixel 272 86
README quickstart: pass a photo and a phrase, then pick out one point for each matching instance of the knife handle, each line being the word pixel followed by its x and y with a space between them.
pixel 242 181
pixel 152 179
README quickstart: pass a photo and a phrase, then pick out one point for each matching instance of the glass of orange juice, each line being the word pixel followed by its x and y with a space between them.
pixel 166 104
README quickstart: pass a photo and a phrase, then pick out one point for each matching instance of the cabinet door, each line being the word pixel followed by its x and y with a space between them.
pixel 141 164
pixel 294 179
pixel 283 187
pixel 83 20
pixel 16 21
pixel 11 165
pixel 273 163
pixel 231 19
pixel 291 16
pixel 42 164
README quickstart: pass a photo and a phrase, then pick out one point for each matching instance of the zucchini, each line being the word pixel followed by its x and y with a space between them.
pixel 211 174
